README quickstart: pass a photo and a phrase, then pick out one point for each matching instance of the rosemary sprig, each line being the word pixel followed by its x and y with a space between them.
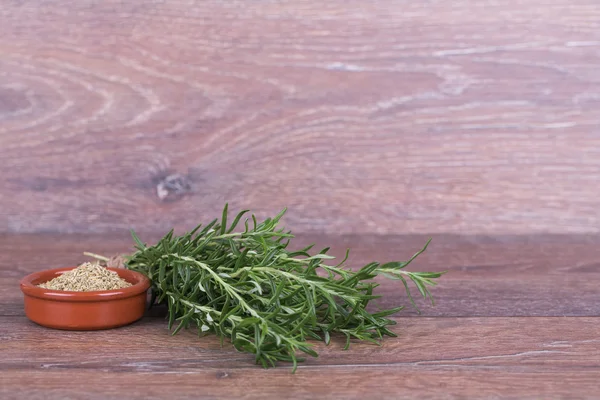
pixel 246 286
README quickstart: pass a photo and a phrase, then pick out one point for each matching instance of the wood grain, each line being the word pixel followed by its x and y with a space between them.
pixel 363 117
pixel 333 383
pixel 545 343
pixel 433 358
pixel 549 275
pixel 517 318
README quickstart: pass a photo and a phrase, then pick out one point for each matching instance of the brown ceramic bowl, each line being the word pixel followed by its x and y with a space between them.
pixel 84 310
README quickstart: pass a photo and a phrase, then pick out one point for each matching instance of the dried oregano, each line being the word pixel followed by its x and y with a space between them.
pixel 87 277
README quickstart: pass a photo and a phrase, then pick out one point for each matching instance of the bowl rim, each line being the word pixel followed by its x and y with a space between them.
pixel 30 289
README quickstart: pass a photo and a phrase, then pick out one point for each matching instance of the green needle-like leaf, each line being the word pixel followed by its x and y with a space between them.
pixel 247 287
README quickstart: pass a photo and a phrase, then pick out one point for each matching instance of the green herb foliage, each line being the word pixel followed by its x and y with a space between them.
pixel 246 286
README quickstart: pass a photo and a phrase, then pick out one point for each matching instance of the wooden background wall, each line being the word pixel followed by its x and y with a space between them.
pixel 360 116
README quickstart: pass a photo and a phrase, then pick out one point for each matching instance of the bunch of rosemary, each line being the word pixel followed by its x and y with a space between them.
pixel 248 287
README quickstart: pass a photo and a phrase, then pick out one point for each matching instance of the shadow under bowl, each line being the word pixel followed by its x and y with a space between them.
pixel 104 309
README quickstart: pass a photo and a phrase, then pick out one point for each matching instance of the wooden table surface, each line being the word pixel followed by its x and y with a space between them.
pixel 516 317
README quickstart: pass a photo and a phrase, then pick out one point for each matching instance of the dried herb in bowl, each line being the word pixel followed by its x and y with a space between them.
pixel 247 287
pixel 87 277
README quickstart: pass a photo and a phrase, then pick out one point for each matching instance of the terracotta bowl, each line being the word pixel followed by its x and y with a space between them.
pixel 84 310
